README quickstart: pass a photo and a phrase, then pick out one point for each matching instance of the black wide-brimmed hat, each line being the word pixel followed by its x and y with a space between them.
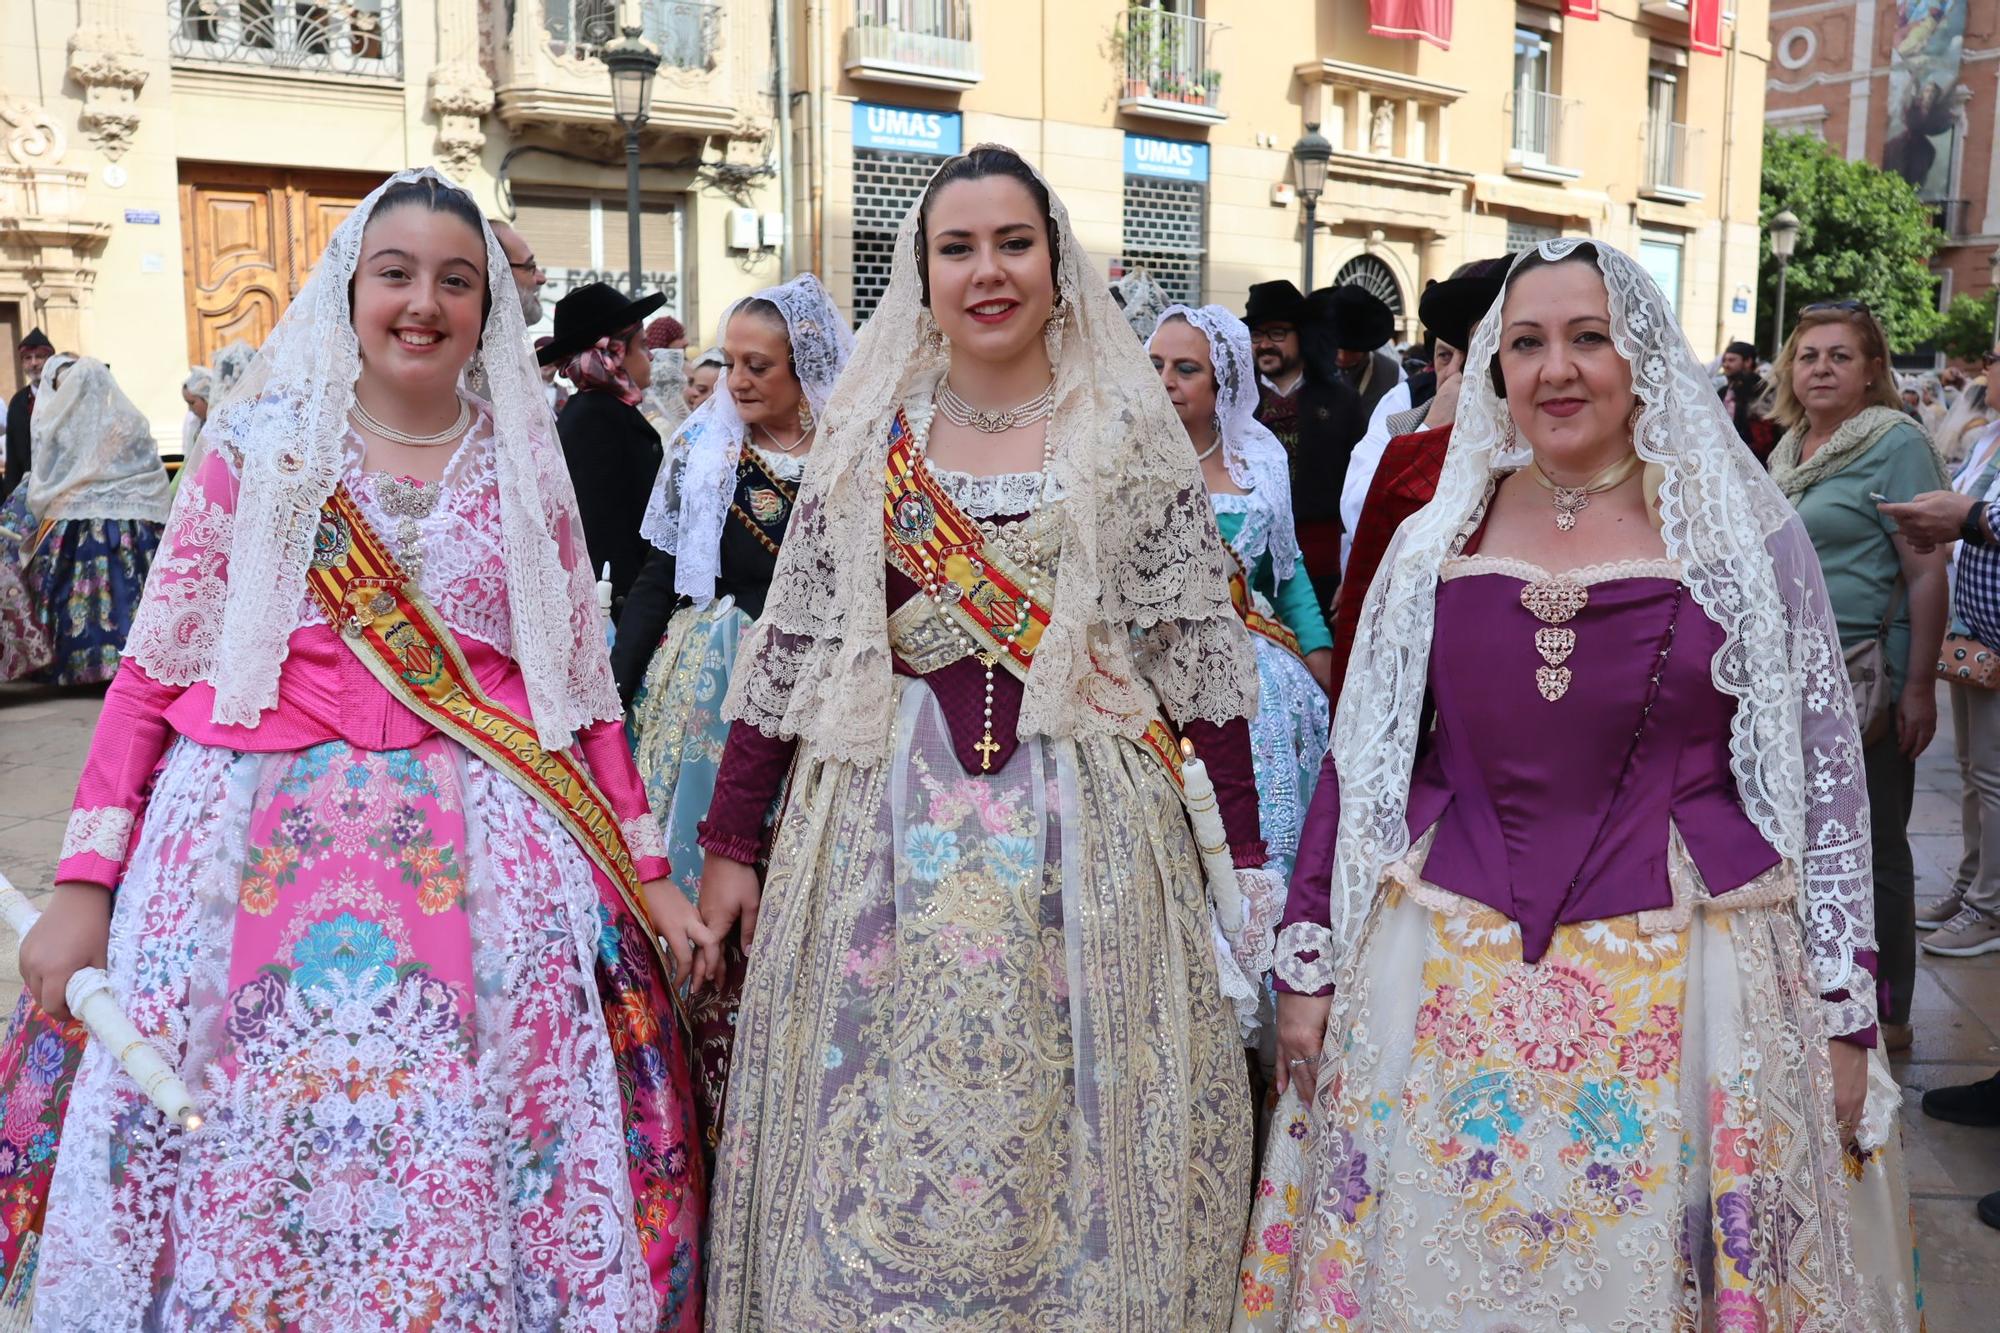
pixel 36 338
pixel 1358 320
pixel 1452 309
pixel 1274 303
pixel 595 310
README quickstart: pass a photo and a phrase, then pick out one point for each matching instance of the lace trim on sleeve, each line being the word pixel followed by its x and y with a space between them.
pixel 643 836
pixel 104 831
pixel 1305 957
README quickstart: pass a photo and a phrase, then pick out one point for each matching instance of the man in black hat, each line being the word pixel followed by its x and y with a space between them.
pixel 612 451
pixel 33 353
pixel 1358 324
pixel 1273 316
pixel 1742 386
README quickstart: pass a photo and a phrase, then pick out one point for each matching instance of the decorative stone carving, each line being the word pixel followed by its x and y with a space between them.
pixel 461 95
pixel 106 61
pixel 33 139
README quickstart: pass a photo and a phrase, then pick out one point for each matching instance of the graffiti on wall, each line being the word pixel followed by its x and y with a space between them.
pixel 1923 75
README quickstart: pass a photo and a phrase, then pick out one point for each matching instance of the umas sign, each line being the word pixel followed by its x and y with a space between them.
pixel 1170 159
pixel 900 129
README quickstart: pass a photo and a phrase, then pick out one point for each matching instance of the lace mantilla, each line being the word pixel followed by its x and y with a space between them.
pixel 692 494
pixel 242 528
pixel 94 455
pixel 104 831
pixel 1251 453
pixel 1141 617
pixel 1746 559
pixel 1001 495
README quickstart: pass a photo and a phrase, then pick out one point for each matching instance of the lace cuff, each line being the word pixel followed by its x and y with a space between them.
pixel 104 831
pixel 643 837
pixel 1849 1015
pixel 1305 959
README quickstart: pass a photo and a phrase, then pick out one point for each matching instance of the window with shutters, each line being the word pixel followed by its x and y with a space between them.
pixel 885 186
pixel 581 238
pixel 1165 223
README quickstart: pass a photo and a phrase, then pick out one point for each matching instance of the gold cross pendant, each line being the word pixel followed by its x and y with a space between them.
pixel 987 747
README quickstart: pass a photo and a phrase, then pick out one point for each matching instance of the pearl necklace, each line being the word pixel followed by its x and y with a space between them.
pixel 445 436
pixel 1018 546
pixel 786 449
pixel 1209 452
pixel 961 413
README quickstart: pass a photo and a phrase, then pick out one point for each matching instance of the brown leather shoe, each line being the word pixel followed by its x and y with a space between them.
pixel 1896 1037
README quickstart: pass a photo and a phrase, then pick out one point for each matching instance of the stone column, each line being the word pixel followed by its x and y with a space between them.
pixel 461 94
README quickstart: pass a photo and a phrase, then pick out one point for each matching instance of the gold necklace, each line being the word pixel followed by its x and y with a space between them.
pixel 1573 500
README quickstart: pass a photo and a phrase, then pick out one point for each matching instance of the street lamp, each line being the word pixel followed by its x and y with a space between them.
pixel 632 61
pixel 1784 237
pixel 1309 158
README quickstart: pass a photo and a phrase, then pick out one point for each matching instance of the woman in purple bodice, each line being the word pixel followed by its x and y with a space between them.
pixel 1576 1007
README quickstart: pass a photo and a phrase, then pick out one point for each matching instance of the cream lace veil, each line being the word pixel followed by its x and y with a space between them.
pixel 1255 459
pixel 1795 753
pixel 692 493
pixel 93 451
pixel 1141 614
pixel 284 430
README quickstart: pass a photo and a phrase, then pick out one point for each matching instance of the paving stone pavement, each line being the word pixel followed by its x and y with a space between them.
pixel 45 733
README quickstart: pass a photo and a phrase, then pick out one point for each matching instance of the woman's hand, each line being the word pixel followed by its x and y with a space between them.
pixel 730 896
pixel 1320 663
pixel 1916 712
pixel 679 926
pixel 73 934
pixel 1301 1034
pixel 1850 1085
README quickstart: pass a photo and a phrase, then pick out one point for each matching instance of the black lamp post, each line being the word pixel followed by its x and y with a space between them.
pixel 632 61
pixel 1309 158
pixel 1784 239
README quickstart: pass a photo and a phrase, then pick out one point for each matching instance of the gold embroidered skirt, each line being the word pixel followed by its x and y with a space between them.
pixel 984 1079
pixel 1634 1133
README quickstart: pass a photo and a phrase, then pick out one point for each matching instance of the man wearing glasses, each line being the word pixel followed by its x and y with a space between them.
pixel 529 276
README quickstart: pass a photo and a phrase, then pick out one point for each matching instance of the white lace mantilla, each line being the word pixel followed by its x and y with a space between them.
pixel 104 830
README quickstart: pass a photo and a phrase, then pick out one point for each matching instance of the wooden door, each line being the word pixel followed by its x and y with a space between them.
pixel 249 238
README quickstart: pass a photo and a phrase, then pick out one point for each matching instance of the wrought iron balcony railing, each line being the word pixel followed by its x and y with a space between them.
pixel 685 30
pixel 1671 165
pixel 1170 69
pixel 927 43
pixel 363 37
pixel 1536 145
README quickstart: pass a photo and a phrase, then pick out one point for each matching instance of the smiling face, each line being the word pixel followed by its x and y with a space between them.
pixel 1568 389
pixel 757 358
pixel 1277 347
pixel 700 384
pixel 419 297
pixel 1831 370
pixel 992 287
pixel 1181 356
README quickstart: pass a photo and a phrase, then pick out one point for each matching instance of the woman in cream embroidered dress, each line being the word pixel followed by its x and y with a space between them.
pixel 442 1082
pixel 1579 995
pixel 985 1076
pixel 718 516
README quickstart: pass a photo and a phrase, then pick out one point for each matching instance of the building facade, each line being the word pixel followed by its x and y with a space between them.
pixel 1914 88
pixel 171 169
pixel 1167 127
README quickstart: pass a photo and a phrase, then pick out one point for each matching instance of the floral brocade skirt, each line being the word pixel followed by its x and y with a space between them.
pixel 677 737
pixel 84 581
pixel 1635 1133
pixel 442 1083
pixel 984 1076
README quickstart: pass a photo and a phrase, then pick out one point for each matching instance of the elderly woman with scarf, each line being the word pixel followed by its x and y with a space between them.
pixel 718 515
pixel 1848 445
pixel 612 451
pixel 91 514
pixel 1575 971
pixel 361 845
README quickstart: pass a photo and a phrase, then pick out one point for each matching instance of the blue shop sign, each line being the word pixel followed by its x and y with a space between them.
pixel 1169 159
pixel 902 129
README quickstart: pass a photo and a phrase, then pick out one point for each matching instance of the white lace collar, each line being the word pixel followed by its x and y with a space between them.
pixel 785 467
pixel 1001 495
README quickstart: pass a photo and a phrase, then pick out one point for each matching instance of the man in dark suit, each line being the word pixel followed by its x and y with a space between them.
pixel 33 353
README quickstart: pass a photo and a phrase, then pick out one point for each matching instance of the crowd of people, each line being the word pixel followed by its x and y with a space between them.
pixel 1061 810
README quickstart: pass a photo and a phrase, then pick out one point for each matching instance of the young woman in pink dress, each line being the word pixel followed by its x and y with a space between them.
pixel 362 846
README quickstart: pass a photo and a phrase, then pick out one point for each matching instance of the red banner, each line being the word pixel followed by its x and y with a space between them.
pixel 1580 9
pixel 1705 26
pixel 1425 20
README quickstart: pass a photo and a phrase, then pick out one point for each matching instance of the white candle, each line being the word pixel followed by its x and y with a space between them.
pixel 90 999
pixel 1209 838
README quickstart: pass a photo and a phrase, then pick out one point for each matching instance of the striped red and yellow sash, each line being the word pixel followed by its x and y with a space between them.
pixel 930 537
pixel 1269 627
pixel 405 644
